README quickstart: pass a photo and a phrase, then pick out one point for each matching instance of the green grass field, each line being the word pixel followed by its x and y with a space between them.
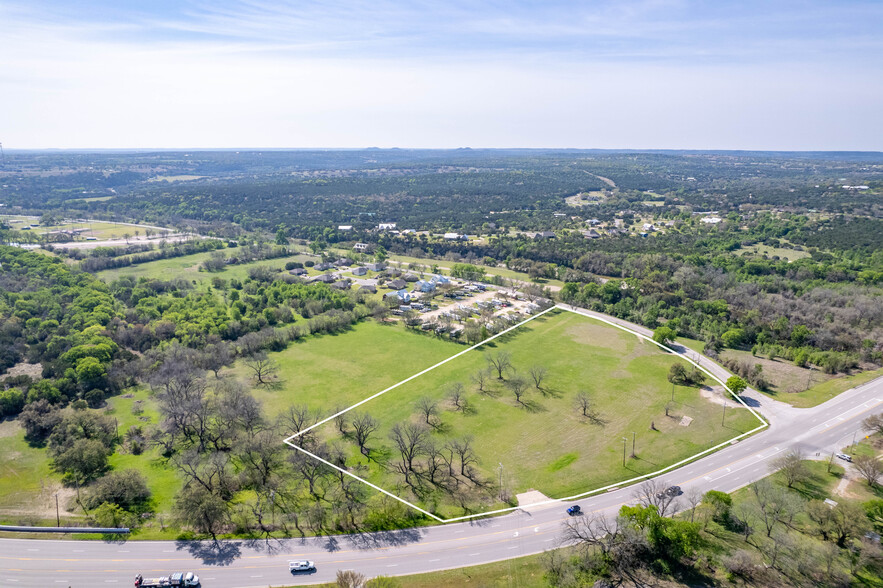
pixel 187 267
pixel 331 371
pixel 544 443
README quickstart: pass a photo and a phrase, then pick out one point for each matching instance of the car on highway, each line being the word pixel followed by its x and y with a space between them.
pixel 301 565
pixel 574 510
pixel 670 492
pixel 844 457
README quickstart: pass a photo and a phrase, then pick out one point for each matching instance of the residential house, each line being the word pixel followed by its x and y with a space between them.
pixel 386 226
pixel 591 234
pixel 341 285
pixel 360 271
pixel 360 247
pixel 343 262
pixel 345 227
pixel 544 235
pixel 371 288
pixel 321 267
pixel 397 284
pixel 402 295
pixel 454 236
pixel 298 271
pixel 324 278
pixel 376 267
pixel 711 220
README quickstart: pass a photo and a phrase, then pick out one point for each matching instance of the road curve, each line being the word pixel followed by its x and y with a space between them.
pixel 246 564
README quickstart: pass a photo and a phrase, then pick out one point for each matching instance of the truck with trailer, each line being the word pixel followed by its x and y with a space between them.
pixel 176 580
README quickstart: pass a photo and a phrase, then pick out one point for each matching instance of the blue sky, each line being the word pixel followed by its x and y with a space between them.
pixel 620 74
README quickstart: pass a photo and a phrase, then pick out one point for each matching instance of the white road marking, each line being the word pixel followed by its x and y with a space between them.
pixel 32 549
pixel 515 534
pixel 514 547
pixel 432 560
pixel 392 565
pixel 474 554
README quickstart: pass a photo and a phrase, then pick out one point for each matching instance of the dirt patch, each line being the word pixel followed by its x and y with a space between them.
pixel 719 395
pixel 532 499
pixel 34 370
pixel 685 421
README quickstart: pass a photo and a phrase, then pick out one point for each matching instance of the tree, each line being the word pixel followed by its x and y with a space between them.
pixel 125 488
pixel 205 511
pixel 410 439
pixel 350 579
pixel 113 516
pixel 874 423
pixel 736 384
pixel 500 361
pixel 518 386
pixel 538 374
pixel 480 379
pixel 363 426
pixel 264 370
pixel 677 373
pixel 428 408
pixel 457 396
pixel 869 467
pixel 11 402
pixel 791 467
pixel 775 505
pixel 664 335
pixel 653 493
pixel 216 357
pixel 84 460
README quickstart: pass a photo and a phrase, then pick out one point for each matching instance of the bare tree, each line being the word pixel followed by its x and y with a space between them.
pixel 694 497
pixel 869 467
pixel 217 356
pixel 774 504
pixel 410 439
pixel 519 387
pixel 584 404
pixel 462 449
pixel 480 378
pixel 457 396
pixel 501 362
pixel 874 423
pixel 538 374
pixel 428 408
pixel 264 370
pixel 791 467
pixel 655 493
pixel 669 406
pixel 297 418
pixel 624 547
pixel 363 426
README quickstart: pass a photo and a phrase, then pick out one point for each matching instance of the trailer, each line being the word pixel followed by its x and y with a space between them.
pixel 176 580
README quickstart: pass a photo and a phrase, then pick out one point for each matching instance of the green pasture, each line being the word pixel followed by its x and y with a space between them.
pixel 544 443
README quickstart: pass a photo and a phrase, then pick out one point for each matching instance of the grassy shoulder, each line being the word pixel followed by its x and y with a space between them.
pixel 524 572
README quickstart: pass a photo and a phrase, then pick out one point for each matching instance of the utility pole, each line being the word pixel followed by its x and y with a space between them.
pixel 633 444
pixel 725 412
pixel 501 479
pixel 672 391
pixel 57 515
pixel 624 443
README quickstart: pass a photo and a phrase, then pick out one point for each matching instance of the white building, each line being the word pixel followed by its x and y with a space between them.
pixel 386 226
pixel 361 247
pixel 711 220
pixel 345 227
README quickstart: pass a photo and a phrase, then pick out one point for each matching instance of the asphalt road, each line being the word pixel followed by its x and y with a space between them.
pixel 36 563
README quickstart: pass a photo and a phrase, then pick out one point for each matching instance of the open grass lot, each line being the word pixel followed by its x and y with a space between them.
pixel 770 252
pixel 543 442
pixel 25 475
pixel 329 372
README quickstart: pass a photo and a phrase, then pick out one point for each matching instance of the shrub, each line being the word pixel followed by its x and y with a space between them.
pixel 125 488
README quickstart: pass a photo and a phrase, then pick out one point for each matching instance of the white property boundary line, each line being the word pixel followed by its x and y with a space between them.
pixel 763 424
